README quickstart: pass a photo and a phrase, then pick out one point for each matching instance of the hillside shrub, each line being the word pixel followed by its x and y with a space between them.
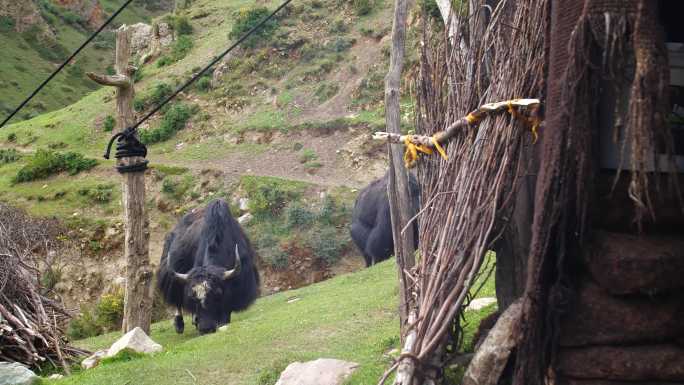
pixel 307 155
pixel 326 90
pixel 181 47
pixel 46 162
pixel 248 18
pixel 164 61
pixel 160 92
pixel 177 187
pixel 363 7
pixel 298 215
pixel 180 24
pixel 204 84
pixel 7 24
pixel 105 316
pixel 101 193
pixel 109 123
pixel 268 196
pixel 9 155
pixel 12 137
pixel 174 120
pixel 326 245
pixel 275 257
pixel 46 48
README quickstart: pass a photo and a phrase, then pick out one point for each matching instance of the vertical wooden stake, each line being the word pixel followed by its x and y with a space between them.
pixel 138 299
pixel 398 186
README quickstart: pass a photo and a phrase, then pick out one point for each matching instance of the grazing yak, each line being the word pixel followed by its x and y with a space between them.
pixel 371 227
pixel 207 268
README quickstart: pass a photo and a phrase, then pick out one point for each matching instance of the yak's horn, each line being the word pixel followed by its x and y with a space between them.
pixel 181 277
pixel 235 270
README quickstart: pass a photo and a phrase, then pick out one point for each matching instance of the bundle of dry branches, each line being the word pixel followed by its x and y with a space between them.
pixel 31 324
pixel 466 198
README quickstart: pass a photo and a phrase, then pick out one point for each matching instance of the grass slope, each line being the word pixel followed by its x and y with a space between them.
pixel 351 317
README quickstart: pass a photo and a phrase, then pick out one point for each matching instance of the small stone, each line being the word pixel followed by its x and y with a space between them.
pixel 94 359
pixel 323 371
pixel 480 303
pixel 13 373
pixel 244 204
pixel 245 218
pixel 55 376
pixel 293 299
pixel 135 340
pixel 223 328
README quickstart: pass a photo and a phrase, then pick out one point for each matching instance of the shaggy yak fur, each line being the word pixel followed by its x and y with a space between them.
pixel 198 270
pixel 371 227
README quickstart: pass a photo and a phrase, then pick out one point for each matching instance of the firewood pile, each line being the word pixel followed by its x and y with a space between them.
pixel 31 324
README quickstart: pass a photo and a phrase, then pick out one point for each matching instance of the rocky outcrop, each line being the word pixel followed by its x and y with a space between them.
pixel 25 14
pixel 90 10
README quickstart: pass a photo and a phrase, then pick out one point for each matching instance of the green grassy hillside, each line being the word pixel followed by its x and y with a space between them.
pixel 29 57
pixel 351 317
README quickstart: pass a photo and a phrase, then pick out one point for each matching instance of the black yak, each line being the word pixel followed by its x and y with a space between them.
pixel 207 268
pixel 371 227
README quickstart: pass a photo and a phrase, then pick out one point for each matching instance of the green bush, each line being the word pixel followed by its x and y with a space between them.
pixel 363 7
pixel 12 137
pixel 204 84
pixel 109 311
pixel 297 215
pixel 164 61
pixel 102 193
pixel 139 104
pixel 7 24
pixel 326 90
pixel 181 47
pixel 160 92
pixel 104 317
pixel 327 245
pixel 180 24
pixel 9 155
pixel 50 277
pixel 248 18
pixel 45 163
pixel 268 196
pixel 177 187
pixel 109 123
pixel 307 155
pixel 174 120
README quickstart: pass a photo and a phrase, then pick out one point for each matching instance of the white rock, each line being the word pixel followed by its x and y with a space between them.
pixel 245 218
pixel 94 359
pixel 55 376
pixel 244 204
pixel 323 371
pixel 135 340
pixel 480 303
pixel 223 328
pixel 13 373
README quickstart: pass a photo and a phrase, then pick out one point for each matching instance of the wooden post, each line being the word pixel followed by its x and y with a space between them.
pixel 138 299
pixel 398 186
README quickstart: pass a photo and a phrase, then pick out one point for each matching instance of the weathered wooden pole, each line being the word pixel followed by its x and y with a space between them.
pixel 138 299
pixel 398 187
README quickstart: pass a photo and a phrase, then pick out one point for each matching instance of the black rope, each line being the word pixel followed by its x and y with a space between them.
pixel 59 69
pixel 216 60
pixel 128 145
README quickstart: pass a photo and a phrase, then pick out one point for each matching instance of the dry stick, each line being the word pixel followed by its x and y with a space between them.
pixel 59 351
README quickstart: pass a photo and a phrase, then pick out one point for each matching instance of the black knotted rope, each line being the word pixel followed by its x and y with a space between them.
pixel 128 145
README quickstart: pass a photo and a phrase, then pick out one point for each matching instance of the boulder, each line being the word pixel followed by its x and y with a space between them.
pixel 599 318
pixel 323 371
pixel 94 359
pixel 135 340
pixel 663 362
pixel 13 373
pixel 627 264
